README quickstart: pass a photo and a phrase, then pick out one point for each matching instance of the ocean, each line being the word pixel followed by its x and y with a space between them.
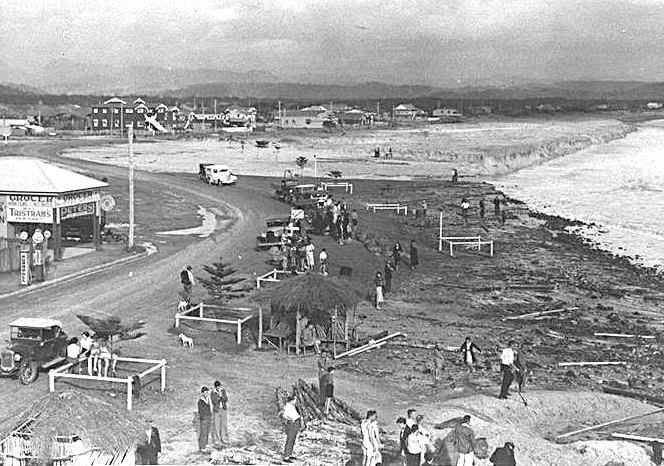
pixel 617 186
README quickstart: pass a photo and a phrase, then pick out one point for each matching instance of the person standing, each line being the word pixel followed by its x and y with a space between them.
pixel 396 255
pixel 324 363
pixel 388 277
pixel 411 416
pixel 464 441
pixel 322 261
pixel 148 452
pixel 309 249
pixel 380 283
pixel 403 434
pixel 414 447
pixel 369 449
pixel 507 368
pixel 469 351
pixel 496 206
pixel 187 280
pixel 503 456
pixel 414 258
pixel 329 389
pixel 204 419
pixel 455 175
pixel 438 362
pixel 482 209
pixel 425 436
pixel 465 211
pixel 293 422
pixel 219 399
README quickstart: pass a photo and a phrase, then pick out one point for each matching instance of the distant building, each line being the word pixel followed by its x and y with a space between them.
pixel 447 115
pixel 233 117
pixel 354 117
pixel 653 105
pixel 408 112
pixel 481 110
pixel 116 114
pixel 313 118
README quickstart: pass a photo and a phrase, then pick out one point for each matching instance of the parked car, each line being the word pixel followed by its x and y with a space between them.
pixel 217 174
pixel 35 344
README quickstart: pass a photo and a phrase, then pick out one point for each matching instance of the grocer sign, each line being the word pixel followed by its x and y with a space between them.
pixel 78 210
pixel 65 200
pixel 28 208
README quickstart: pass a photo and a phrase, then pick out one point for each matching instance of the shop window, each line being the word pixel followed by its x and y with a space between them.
pixel 95 122
pixel 95 110
pixel 104 110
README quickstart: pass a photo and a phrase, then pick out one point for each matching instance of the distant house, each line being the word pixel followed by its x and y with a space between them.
pixel 481 110
pixel 408 112
pixel 653 105
pixel 235 117
pixel 354 117
pixel 313 118
pixel 446 112
pixel 116 114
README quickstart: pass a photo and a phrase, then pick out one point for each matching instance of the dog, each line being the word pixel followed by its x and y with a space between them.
pixel 183 305
pixel 186 341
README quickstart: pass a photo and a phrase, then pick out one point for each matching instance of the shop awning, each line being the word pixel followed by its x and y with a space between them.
pixel 34 176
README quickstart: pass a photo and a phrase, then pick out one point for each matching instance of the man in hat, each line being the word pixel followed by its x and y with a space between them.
pixel 293 422
pixel 219 400
pixel 204 419
pixel 148 452
pixel 504 456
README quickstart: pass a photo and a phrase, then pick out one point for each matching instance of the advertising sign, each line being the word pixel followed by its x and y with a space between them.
pixel 25 268
pixel 29 209
pixel 78 210
pixel 3 217
pixel 84 197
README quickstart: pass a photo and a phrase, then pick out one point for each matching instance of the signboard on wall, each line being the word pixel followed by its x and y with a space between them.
pixel 26 208
pixel 79 210
pixel 3 217
pixel 25 268
pixel 83 197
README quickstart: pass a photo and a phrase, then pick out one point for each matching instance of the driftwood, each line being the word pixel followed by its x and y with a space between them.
pixel 540 313
pixel 623 335
pixel 370 345
pixel 638 438
pixel 605 424
pixel 656 401
pixel 593 363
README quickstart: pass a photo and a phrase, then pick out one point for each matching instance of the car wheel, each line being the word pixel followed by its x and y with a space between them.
pixel 28 372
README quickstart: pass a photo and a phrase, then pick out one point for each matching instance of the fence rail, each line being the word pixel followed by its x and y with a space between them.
pixel 475 242
pixel 200 309
pixel 396 207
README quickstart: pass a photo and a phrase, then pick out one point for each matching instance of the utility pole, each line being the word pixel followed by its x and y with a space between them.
pixel 130 240
pixel 215 114
pixel 279 116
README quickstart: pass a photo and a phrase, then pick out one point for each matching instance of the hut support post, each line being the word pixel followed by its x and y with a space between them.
pixel 440 231
pixel 163 375
pixel 260 327
pixel 130 394
pixel 200 310
pixel 51 381
pixel 297 332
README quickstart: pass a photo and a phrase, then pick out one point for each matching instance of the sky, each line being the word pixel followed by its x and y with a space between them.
pixel 433 42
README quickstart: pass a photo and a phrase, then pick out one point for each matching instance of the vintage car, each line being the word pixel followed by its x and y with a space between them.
pixel 276 232
pixel 216 174
pixel 35 344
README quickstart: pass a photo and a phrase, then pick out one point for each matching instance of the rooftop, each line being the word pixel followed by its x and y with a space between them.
pixel 32 322
pixel 30 175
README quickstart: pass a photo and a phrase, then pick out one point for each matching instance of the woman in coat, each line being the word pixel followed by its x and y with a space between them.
pixel 469 351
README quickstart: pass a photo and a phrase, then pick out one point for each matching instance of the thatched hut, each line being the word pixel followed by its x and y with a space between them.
pixel 71 428
pixel 311 302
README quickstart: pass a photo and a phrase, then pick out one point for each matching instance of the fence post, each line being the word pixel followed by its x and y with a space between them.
pixel 260 327
pixel 258 283
pixel 440 232
pixel 177 320
pixel 200 310
pixel 163 376
pixel 491 246
pixel 451 248
pixel 239 331
pixel 130 393
pixel 51 380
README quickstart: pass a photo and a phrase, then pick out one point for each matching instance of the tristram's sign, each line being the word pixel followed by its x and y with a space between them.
pixel 79 210
pixel 26 208
pixel 83 197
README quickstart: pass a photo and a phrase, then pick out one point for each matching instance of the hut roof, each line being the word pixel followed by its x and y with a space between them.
pixel 96 422
pixel 312 294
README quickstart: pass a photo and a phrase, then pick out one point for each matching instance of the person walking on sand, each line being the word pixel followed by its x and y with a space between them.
pixel 465 211
pixel 469 352
pixel 464 441
pixel 204 419
pixel 503 456
pixel 293 422
pixel 414 258
pixel 396 255
pixel 219 400
pixel 380 283
pixel 508 369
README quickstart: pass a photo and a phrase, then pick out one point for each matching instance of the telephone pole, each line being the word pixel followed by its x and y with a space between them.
pixel 130 240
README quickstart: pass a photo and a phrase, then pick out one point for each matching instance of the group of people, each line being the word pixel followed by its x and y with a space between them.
pixel 415 441
pixel 388 153
pixel 383 280
pixel 498 211
pixel 334 218
pixel 97 352
pixel 212 417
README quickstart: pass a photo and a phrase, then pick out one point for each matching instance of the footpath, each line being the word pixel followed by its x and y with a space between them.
pixel 72 268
